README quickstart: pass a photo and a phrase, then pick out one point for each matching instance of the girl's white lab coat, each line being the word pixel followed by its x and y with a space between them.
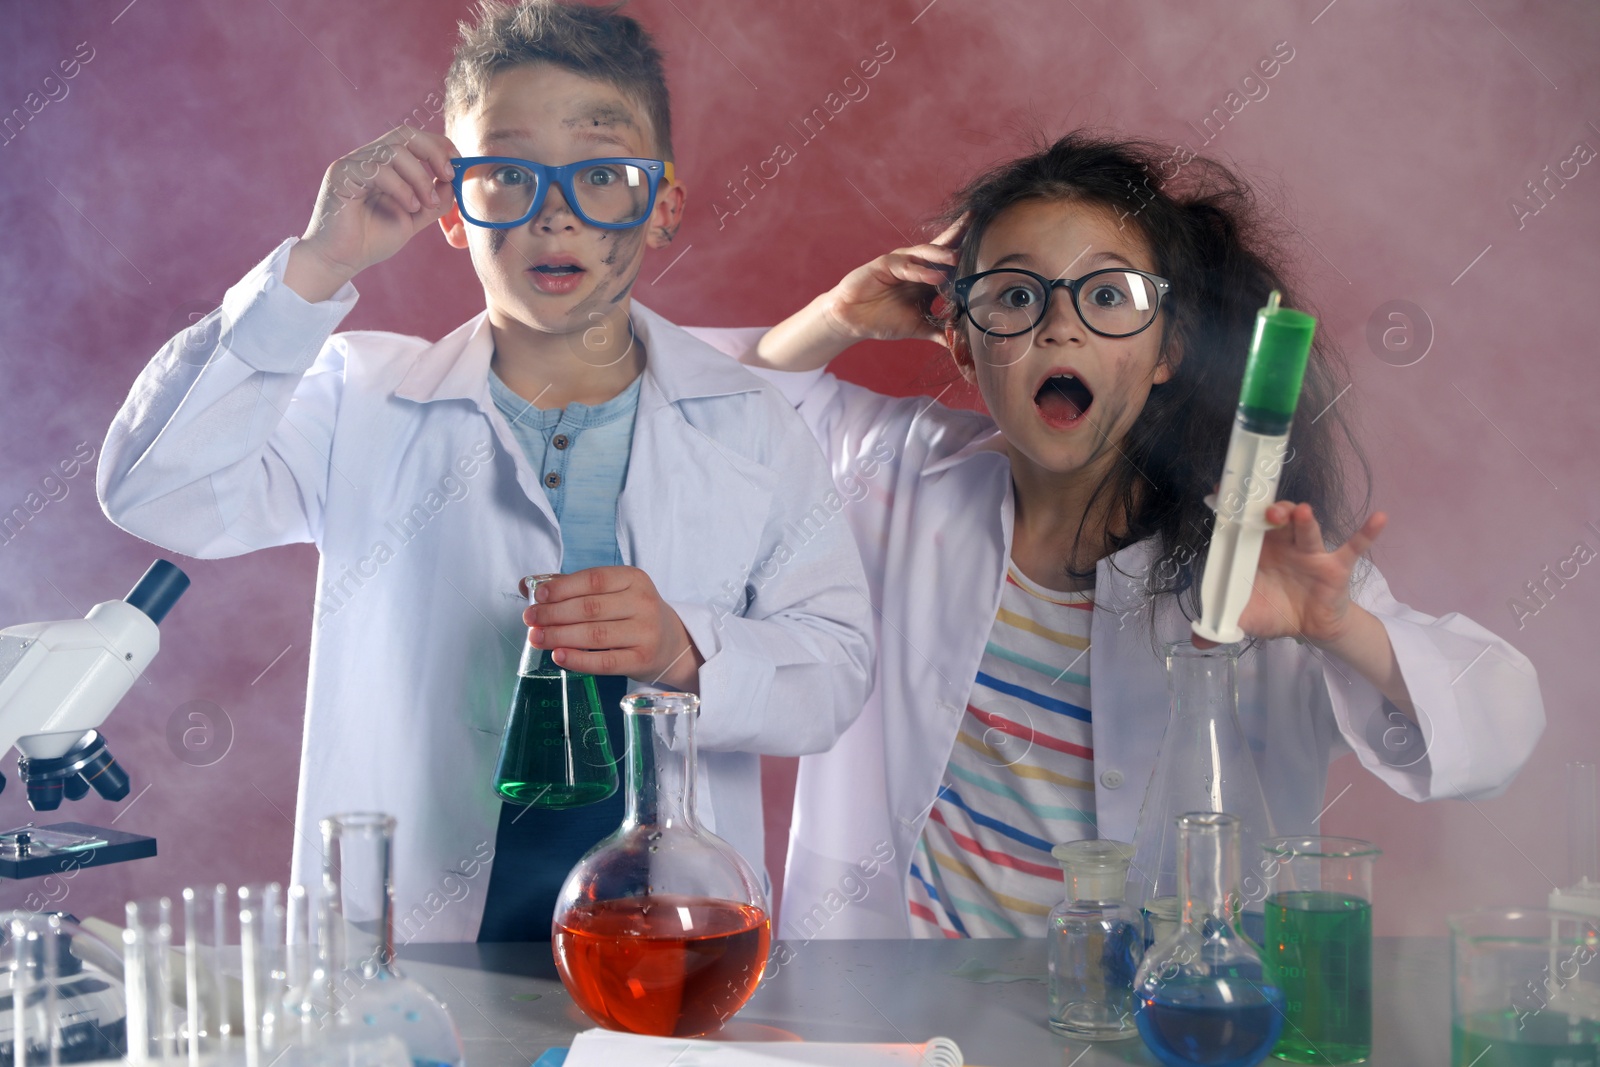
pixel 934 526
pixel 255 428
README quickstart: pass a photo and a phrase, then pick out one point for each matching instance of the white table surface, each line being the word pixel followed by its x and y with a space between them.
pixel 510 1006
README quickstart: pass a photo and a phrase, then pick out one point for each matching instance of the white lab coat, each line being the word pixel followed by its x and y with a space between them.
pixel 256 428
pixel 934 527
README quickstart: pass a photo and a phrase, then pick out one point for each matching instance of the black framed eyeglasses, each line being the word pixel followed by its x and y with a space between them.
pixel 1116 302
pixel 614 193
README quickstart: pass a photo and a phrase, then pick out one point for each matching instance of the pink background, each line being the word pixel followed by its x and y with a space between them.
pixel 1391 146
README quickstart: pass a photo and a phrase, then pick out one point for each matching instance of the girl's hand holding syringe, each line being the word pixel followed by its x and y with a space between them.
pixel 884 300
pixel 1302 590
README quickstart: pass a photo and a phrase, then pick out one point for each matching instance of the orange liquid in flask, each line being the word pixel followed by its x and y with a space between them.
pixel 668 965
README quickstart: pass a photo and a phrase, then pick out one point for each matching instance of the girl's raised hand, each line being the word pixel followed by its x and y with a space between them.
pixel 884 300
pixel 1302 589
pixel 888 298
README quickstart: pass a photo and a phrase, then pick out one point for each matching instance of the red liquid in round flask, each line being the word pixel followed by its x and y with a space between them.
pixel 662 928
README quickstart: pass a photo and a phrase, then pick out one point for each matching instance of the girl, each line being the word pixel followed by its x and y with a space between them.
pixel 1027 564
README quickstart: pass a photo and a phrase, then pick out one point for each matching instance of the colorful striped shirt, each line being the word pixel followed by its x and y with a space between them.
pixel 1020 778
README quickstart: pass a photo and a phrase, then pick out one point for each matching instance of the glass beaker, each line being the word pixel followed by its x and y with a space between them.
pixel 1525 989
pixel 1202 995
pixel 357 985
pixel 555 751
pixel 1096 943
pixel 1318 945
pixel 1205 765
pixel 662 927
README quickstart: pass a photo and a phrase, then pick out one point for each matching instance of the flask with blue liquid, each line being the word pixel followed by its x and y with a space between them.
pixel 1202 995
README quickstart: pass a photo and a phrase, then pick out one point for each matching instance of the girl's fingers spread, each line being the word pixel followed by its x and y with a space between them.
pixel 1362 539
pixel 1307 531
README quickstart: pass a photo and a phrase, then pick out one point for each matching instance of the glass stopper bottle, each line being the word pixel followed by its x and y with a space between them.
pixel 360 987
pixel 555 751
pixel 1202 995
pixel 662 927
pixel 1205 765
pixel 1096 942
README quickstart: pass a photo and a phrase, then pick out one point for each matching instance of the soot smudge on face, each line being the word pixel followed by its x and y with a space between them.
pixel 497 241
pixel 620 259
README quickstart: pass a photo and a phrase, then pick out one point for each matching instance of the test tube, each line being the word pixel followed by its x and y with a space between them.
pixel 204 911
pixel 1583 842
pixel 147 979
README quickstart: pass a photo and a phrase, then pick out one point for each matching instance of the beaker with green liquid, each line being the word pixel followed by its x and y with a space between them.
pixel 1525 989
pixel 1318 945
pixel 555 751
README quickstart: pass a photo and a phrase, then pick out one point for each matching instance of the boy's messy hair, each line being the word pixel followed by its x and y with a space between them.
pixel 594 41
pixel 1204 229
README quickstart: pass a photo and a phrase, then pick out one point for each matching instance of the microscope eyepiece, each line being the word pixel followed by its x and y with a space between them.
pixel 158 590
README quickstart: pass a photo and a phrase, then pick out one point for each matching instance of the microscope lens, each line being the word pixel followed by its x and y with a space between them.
pixel 75 787
pixel 44 796
pixel 107 777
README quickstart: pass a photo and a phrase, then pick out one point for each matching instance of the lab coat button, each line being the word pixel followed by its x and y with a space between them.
pixel 553 480
pixel 1111 779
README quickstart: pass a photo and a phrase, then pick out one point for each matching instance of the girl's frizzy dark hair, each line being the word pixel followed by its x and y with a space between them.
pixel 1204 231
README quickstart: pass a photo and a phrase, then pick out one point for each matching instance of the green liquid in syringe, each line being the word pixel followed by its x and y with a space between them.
pixel 1318 946
pixel 1548 1038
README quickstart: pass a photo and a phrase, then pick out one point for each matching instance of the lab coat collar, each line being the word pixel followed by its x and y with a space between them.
pixel 456 367
pixel 991 442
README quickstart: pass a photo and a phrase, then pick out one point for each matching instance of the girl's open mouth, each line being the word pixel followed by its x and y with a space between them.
pixel 1063 399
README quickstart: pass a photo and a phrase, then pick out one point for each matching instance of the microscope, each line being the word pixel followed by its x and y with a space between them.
pixel 58 683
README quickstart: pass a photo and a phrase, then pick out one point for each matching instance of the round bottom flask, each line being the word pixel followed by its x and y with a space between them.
pixel 662 928
pixel 357 987
pixel 1202 995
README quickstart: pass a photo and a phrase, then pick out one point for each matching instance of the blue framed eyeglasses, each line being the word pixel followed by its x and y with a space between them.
pixel 500 192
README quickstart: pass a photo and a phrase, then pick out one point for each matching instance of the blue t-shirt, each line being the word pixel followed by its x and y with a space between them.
pixel 581 454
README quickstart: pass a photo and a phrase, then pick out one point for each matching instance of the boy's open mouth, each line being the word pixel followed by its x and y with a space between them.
pixel 556 274
pixel 1063 398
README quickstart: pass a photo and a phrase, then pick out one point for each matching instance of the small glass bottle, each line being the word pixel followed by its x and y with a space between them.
pixel 1202 995
pixel 1205 765
pixel 555 751
pixel 1096 942
pixel 356 986
pixel 662 928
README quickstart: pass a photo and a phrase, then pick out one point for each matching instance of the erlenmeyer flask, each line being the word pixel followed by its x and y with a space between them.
pixel 1202 997
pixel 356 984
pixel 1205 765
pixel 662 928
pixel 555 751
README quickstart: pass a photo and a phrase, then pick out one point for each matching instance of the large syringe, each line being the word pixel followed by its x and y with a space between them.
pixel 1257 452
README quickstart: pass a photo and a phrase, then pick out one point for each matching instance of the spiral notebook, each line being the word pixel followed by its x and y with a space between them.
pixel 605 1048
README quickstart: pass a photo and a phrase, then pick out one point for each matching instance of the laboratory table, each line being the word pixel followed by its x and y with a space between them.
pixel 986 995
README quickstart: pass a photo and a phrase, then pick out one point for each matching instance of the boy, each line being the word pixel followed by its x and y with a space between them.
pixel 561 429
